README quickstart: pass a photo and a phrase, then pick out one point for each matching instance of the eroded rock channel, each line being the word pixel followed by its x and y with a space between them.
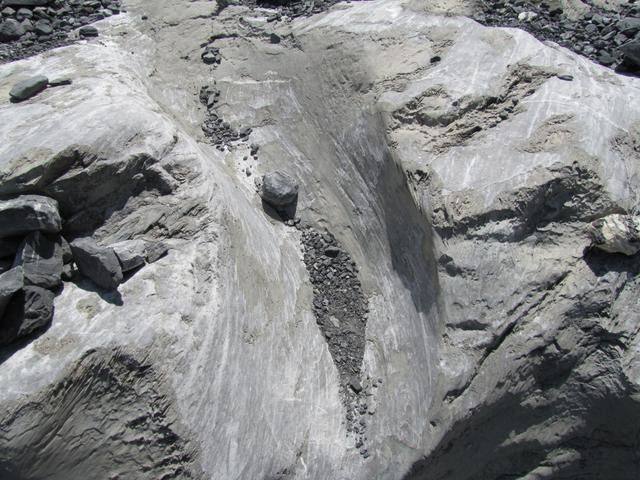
pixel 340 308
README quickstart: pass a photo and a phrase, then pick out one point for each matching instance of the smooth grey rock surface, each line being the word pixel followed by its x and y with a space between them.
pixel 28 213
pixel 40 257
pixel 462 189
pixel 99 264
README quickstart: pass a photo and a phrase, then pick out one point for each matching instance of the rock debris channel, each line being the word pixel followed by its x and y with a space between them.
pixel 340 309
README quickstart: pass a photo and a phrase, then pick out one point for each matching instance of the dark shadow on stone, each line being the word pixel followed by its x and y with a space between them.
pixel 409 234
pixel 279 214
pixel 7 351
pixel 601 262
pixel 126 276
pixel 112 297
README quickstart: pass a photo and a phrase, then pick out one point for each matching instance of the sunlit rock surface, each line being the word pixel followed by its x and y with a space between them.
pixel 451 162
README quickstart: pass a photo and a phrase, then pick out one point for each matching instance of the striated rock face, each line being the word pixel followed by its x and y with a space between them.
pixel 434 310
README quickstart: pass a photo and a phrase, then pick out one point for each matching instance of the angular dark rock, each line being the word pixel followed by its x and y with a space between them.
pixel 631 55
pixel 43 27
pixel 88 31
pixel 41 259
pixel 10 283
pixel 28 213
pixel 10 30
pixel 355 385
pixel 332 252
pixel 59 82
pixel 29 309
pixel 99 264
pixel 28 88
pixel 279 189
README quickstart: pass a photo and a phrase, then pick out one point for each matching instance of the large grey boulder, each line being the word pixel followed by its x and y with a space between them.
pixel 279 189
pixel 99 264
pixel 28 88
pixel 10 283
pixel 28 213
pixel 41 259
pixel 10 30
pixel 88 31
pixel 617 234
pixel 631 55
pixel 30 309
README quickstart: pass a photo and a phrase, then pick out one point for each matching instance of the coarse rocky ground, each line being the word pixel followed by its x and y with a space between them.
pixel 436 305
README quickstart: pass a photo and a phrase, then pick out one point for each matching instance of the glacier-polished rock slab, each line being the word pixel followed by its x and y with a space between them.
pixel 211 357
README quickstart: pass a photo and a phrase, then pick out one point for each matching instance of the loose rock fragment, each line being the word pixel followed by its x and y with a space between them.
pixel 11 29
pixel 99 264
pixel 631 56
pixel 41 259
pixel 617 234
pixel 28 88
pixel 28 213
pixel 30 309
pixel 155 251
pixel 59 82
pixel 279 189
pixel 131 254
pixel 88 31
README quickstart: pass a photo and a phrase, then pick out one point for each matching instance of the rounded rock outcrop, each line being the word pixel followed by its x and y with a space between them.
pixel 279 189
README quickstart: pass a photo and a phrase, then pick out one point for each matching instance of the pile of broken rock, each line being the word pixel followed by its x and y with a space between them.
pixel 35 258
pixel 30 26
